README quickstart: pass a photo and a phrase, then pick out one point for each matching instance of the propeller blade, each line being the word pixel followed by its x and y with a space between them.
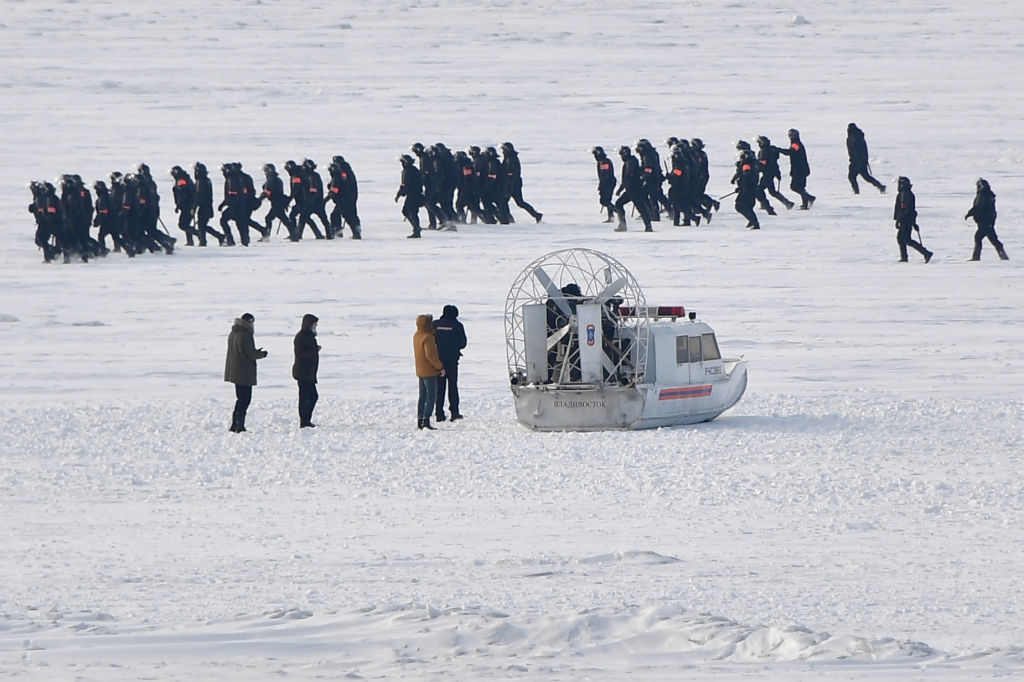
pixel 554 293
pixel 611 290
pixel 557 336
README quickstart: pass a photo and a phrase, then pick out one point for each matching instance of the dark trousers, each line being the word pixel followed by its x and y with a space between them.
pixel 276 212
pixel 307 401
pixel 745 207
pixel 987 231
pixel 243 396
pixel 427 397
pixel 639 201
pixel 798 183
pixel 905 238
pixel 450 383
pixel 185 223
pixel 861 170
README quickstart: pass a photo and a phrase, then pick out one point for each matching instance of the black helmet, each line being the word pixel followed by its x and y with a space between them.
pixel 99 186
pixel 417 148
pixel 199 168
pixel 793 133
pixel 672 141
pixel 461 155
pixel 290 165
pixel 982 184
pixel 143 169
pixel 405 159
pixel 742 145
pixel 339 159
pixel 624 151
pixel 309 163
pixel 903 182
pixel 177 170
pixel 697 142
pixel 597 151
pixel 473 149
pixel 491 151
pixel 507 147
pixel 763 141
pixel 269 168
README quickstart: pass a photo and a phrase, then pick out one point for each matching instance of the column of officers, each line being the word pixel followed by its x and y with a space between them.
pixel 757 176
pixel 128 209
pixel 475 185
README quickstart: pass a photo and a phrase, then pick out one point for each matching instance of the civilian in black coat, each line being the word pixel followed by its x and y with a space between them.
pixel 450 336
pixel 307 361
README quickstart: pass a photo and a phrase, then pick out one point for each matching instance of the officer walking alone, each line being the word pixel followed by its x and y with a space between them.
pixel 857 149
pixel 984 213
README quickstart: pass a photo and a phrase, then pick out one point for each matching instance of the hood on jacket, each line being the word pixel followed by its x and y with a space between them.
pixel 245 322
pixel 425 323
pixel 308 320
pixel 450 311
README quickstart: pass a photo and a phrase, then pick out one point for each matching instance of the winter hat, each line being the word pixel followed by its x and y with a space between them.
pixel 248 317
pixel 450 311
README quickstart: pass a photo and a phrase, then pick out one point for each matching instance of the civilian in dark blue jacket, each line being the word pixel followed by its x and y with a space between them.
pixel 450 336
pixel 307 361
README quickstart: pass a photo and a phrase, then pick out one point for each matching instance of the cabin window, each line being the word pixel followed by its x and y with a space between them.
pixel 710 348
pixel 682 350
pixel 694 343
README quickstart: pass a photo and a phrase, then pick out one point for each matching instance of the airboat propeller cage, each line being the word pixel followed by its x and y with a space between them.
pixel 576 315
pixel 586 353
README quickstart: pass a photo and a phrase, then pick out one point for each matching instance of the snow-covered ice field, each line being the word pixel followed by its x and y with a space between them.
pixel 858 515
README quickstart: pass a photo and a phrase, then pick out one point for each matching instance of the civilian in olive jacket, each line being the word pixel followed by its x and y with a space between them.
pixel 240 367
pixel 307 361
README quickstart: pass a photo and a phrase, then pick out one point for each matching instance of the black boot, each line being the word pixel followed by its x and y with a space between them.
pixel 426 425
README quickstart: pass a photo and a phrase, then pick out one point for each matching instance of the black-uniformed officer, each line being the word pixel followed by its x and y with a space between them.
pixel 514 180
pixel 631 189
pixel 313 204
pixel 467 201
pixel 747 176
pixel 343 190
pixel 768 162
pixel 984 213
pixel 799 168
pixel 412 189
pixel 857 149
pixel 706 202
pixel 273 191
pixel 605 181
pixel 905 215
pixel 184 192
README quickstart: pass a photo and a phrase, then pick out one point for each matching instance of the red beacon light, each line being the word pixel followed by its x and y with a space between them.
pixel 655 312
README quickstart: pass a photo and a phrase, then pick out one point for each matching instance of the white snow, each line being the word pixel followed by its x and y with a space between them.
pixel 858 515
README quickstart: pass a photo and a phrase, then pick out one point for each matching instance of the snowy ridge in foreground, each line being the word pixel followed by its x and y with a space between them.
pixel 432 639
